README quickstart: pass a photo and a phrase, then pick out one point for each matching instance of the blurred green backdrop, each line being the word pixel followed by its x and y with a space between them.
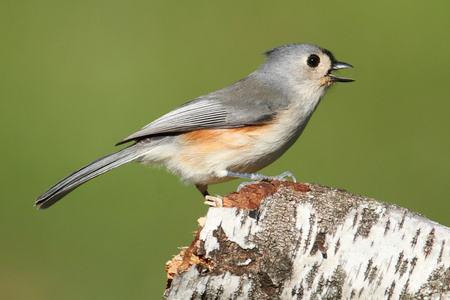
pixel 78 76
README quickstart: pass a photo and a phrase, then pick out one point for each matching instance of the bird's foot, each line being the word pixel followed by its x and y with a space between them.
pixel 259 177
pixel 212 201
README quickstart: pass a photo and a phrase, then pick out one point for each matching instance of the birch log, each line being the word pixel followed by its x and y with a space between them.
pixel 284 240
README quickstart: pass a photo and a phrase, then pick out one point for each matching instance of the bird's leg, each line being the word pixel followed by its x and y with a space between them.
pixel 259 177
pixel 202 188
pixel 209 200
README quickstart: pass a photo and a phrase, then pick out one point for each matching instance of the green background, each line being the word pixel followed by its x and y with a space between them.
pixel 78 76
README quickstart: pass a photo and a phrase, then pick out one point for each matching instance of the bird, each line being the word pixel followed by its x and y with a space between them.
pixel 230 133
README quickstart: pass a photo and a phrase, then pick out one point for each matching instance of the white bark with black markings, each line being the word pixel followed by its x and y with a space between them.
pixel 320 244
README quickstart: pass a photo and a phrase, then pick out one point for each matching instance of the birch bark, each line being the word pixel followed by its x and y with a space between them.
pixel 284 240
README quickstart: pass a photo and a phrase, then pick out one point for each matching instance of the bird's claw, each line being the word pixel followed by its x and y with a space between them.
pixel 213 201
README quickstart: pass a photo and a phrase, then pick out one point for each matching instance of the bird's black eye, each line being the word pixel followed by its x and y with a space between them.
pixel 313 61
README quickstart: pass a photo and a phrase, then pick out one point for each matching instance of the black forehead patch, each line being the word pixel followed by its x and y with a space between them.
pixel 329 54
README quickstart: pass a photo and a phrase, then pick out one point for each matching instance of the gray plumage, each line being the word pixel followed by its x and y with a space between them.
pixel 215 110
pixel 281 95
pixel 92 170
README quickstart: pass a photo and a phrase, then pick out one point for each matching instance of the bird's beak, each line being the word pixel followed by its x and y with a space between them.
pixel 337 66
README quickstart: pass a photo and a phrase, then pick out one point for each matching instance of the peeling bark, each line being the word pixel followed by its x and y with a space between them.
pixel 284 240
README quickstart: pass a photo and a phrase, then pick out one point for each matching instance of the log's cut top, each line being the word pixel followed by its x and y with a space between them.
pixel 283 240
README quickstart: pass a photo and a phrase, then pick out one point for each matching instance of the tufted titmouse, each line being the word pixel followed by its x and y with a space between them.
pixel 230 133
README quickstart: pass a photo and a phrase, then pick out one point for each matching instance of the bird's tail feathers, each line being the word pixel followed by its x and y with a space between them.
pixel 88 172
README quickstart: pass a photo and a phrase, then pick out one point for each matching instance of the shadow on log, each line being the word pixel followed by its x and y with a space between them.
pixel 284 240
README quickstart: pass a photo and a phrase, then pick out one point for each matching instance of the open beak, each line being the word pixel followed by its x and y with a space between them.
pixel 337 66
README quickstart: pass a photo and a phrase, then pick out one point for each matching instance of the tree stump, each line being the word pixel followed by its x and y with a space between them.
pixel 284 240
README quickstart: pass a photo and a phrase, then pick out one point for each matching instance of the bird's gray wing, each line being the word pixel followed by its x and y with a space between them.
pixel 226 108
